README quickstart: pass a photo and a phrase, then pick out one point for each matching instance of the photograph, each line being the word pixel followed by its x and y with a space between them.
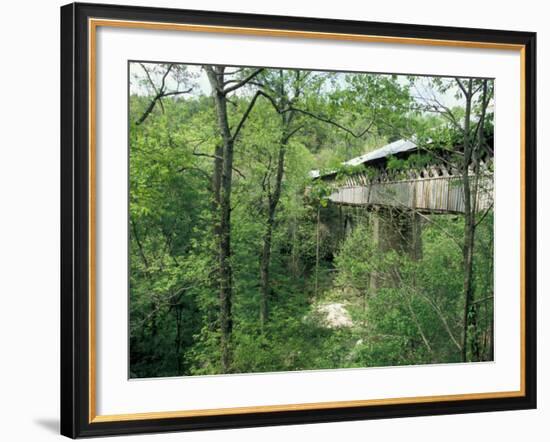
pixel 277 221
pixel 286 219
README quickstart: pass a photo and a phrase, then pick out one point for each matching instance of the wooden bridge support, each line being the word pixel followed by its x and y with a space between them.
pixel 399 231
pixel 394 229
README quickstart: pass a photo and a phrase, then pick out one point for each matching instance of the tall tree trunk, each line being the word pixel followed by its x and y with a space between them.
pixel 273 198
pixel 226 283
pixel 416 231
pixel 222 183
pixel 265 260
pixel 471 158
pixel 178 340
pixel 476 150
pixel 217 180
pixel 317 242
pixel 469 225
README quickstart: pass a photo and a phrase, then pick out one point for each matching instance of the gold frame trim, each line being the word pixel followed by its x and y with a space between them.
pixel 93 24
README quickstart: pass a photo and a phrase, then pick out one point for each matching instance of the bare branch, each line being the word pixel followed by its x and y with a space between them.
pixel 172 93
pixel 149 78
pixel 436 106
pixel 242 82
pixel 292 132
pixel 329 121
pixel 216 157
pixel 148 110
pixel 235 72
pixel 418 326
pixel 163 81
pixel 464 91
pixel 246 114
pixel 213 78
pixel 441 316
pixel 159 93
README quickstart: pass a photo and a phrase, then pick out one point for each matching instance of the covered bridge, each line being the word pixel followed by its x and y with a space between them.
pixel 434 188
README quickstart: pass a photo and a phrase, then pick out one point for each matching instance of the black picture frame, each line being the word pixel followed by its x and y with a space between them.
pixel 75 220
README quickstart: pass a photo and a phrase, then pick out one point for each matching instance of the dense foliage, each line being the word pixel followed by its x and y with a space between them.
pixel 303 293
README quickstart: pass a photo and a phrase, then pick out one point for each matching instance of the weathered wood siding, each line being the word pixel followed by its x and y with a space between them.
pixel 442 193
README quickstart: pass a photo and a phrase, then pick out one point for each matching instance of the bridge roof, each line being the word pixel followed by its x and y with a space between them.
pixel 382 152
pixel 394 148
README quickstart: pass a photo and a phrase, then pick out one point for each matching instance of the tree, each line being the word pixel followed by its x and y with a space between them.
pixel 159 73
pixel 354 111
pixel 165 260
pixel 223 83
pixel 472 154
pixel 476 94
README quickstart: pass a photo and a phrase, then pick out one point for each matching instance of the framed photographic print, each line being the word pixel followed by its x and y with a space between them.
pixel 273 220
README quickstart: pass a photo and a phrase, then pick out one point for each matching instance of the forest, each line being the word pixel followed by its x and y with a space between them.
pixel 243 260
